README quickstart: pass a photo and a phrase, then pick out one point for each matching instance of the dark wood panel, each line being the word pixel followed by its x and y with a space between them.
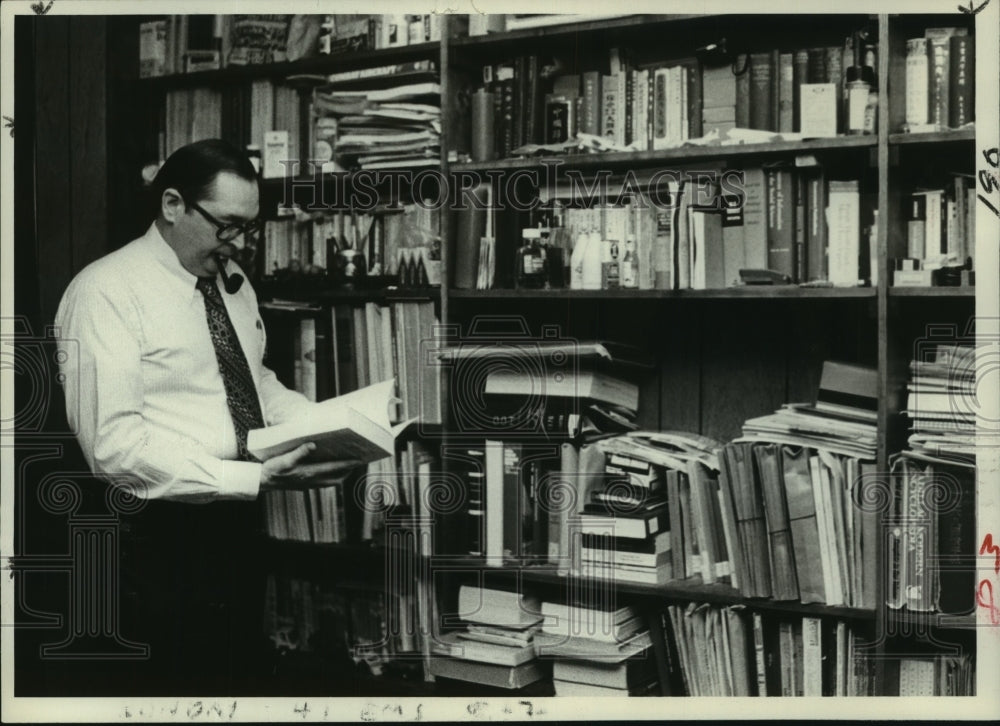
pixel 678 343
pixel 743 367
pixel 26 283
pixel 52 169
pixel 88 140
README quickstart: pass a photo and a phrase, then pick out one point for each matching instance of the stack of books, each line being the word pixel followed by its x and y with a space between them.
pixel 632 528
pixel 496 646
pixel 942 402
pixel 370 125
pixel 843 419
pixel 600 651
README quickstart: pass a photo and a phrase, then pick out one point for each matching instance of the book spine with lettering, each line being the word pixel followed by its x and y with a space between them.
pixel 961 80
pixel 939 74
pixel 590 118
pixel 799 249
pixel 844 232
pixel 609 107
pixel 780 222
pixel 755 219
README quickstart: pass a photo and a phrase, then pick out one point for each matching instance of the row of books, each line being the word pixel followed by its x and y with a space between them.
pixel 401 242
pixel 730 651
pixel 940 230
pixel 940 79
pixel 191 43
pixel 348 621
pixel 796 222
pixel 345 33
pixel 333 355
pixel 593 645
pixel 260 115
pixel 653 106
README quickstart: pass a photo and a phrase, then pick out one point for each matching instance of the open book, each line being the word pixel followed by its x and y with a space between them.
pixel 353 426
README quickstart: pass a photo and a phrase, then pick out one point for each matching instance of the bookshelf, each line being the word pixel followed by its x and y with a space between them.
pixel 745 349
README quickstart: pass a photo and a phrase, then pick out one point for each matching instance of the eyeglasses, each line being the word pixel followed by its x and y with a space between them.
pixel 228 232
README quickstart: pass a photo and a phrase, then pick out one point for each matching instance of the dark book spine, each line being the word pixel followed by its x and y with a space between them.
pixel 506 125
pixel 786 93
pixel 629 131
pixel 761 80
pixel 520 101
pixel 961 79
pixel 800 253
pixel 780 222
pixel 775 64
pixel 816 65
pixel 816 233
pixel 590 117
pixel 800 75
pixel 956 549
pixel 743 99
pixel 695 100
pixel 533 102
pixel 937 89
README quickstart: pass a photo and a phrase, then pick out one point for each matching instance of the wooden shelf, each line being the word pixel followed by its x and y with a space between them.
pixel 319 291
pixel 762 292
pixel 319 65
pixel 938 621
pixel 679 154
pixel 934 137
pixel 692 591
pixel 627 22
pixel 969 292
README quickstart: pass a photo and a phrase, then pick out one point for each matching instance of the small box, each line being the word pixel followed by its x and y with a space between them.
pixel 818 110
pixel 912 278
pixel 275 154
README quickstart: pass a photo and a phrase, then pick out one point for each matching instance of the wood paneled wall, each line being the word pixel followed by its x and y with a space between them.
pixel 65 151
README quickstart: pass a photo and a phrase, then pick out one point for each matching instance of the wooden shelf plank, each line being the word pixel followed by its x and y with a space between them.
pixel 969 292
pixel 763 292
pixel 319 65
pixel 319 291
pixel 494 40
pixel 934 137
pixel 682 153
pixel 694 591
pixel 939 621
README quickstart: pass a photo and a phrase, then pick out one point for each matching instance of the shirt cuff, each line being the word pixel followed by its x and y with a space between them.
pixel 241 479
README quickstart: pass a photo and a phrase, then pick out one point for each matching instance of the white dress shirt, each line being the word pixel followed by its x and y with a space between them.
pixel 142 383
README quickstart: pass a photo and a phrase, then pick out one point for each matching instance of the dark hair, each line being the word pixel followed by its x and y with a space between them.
pixel 192 169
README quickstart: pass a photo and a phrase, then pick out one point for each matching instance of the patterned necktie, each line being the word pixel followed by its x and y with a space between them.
pixel 241 395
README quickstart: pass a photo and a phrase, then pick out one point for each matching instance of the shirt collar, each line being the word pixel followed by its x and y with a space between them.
pixel 163 254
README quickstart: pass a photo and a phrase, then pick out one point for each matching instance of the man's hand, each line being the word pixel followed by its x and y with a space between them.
pixel 289 471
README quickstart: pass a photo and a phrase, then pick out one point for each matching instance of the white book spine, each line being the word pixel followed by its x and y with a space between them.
pixel 916 81
pixel 843 220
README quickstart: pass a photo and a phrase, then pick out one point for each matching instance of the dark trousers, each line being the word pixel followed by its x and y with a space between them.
pixel 193 590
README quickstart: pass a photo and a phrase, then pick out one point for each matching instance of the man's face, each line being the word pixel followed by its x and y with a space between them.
pixel 233 200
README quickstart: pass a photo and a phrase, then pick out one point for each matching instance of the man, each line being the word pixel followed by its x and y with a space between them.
pixel 168 381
